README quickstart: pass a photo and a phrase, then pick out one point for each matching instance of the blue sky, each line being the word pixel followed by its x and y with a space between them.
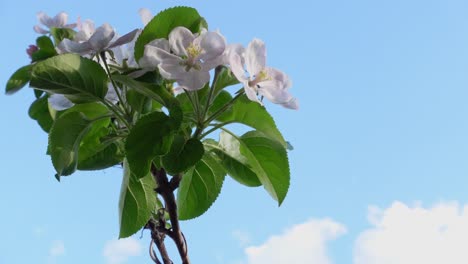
pixel 380 165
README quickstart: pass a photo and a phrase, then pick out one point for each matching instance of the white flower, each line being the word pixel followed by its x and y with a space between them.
pixel 59 102
pixel 85 30
pixel 260 80
pixel 99 40
pixel 185 58
pixel 145 15
pixel 58 21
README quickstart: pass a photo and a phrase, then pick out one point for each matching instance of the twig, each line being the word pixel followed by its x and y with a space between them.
pixel 166 190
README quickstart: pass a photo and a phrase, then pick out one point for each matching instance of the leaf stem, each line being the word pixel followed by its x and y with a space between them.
pixel 215 127
pixel 106 66
pixel 118 112
pixel 212 88
pixel 224 108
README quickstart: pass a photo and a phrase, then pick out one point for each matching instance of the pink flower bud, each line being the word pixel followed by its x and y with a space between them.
pixel 31 49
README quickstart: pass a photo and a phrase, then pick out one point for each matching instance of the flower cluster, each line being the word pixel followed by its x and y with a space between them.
pixel 185 57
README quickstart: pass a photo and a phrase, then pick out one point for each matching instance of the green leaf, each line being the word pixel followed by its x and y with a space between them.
pixel 137 202
pixel 79 79
pixel 267 158
pixel 60 34
pixel 100 156
pixel 19 79
pixel 138 102
pixel 150 137
pixel 200 186
pixel 182 155
pixel 164 22
pixel 46 49
pixel 64 141
pixel 239 171
pixel 96 150
pixel 38 93
pixel 219 102
pixel 254 115
pixel 68 132
pixel 39 111
pixel 90 110
pixel 223 78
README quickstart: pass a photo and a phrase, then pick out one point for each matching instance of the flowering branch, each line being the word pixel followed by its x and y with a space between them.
pixel 106 100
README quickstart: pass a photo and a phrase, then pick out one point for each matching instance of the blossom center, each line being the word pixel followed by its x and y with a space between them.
pixel 193 51
pixel 260 77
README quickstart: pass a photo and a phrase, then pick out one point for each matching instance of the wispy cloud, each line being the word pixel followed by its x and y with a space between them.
pixel 300 244
pixel 39 231
pixel 403 234
pixel 242 236
pixel 57 249
pixel 118 251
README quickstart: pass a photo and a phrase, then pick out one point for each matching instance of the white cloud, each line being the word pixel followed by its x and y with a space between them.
pixel 241 236
pixel 118 251
pixel 301 244
pixel 409 235
pixel 57 249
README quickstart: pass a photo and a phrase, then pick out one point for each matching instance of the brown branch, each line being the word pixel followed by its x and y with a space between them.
pixel 158 238
pixel 166 190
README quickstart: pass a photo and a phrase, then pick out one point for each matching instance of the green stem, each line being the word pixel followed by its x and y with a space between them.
pixel 106 66
pixel 118 112
pixel 197 103
pixel 224 108
pixel 215 127
pixel 212 88
pixel 189 96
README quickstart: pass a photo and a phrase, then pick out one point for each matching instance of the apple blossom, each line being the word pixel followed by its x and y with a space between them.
pixel 261 80
pixel 185 58
pixel 58 21
pixel 100 40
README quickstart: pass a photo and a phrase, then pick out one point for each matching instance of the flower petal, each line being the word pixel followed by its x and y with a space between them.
pixel 251 92
pixel 172 69
pixel 86 30
pixel 45 19
pixel 275 89
pixel 124 39
pixel 255 57
pixel 291 104
pixel 154 55
pixel 60 19
pixel 67 46
pixel 194 80
pixel 232 49
pixel 40 30
pixel 179 39
pixel 212 44
pixel 72 25
pixel 101 38
pixel 59 102
pixel 237 67
pixel 145 15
